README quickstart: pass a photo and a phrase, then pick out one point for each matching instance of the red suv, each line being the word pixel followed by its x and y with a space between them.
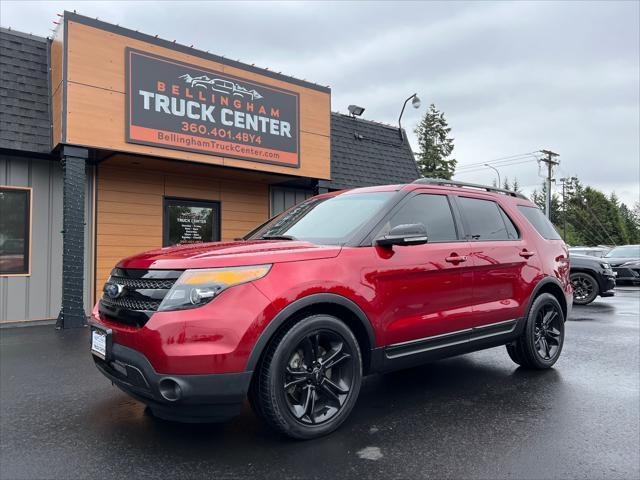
pixel 340 286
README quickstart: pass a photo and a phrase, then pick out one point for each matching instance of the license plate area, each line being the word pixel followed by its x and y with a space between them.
pixel 100 342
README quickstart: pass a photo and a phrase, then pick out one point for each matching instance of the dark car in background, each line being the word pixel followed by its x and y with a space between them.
pixel 625 261
pixel 599 251
pixel 590 277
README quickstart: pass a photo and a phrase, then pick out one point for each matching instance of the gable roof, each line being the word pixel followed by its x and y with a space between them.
pixel 25 122
pixel 365 153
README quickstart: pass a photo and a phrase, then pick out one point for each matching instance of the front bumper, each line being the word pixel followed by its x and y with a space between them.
pixel 608 283
pixel 627 274
pixel 198 398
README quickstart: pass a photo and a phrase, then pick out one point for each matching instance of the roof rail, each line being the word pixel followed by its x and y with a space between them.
pixel 453 183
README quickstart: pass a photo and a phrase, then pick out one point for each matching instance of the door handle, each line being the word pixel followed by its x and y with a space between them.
pixel 526 254
pixel 456 259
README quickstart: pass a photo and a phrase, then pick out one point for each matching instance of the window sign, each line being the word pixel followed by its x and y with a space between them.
pixel 190 221
pixel 15 227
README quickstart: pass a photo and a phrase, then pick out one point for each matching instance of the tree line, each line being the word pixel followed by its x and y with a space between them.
pixel 587 216
pixel 584 216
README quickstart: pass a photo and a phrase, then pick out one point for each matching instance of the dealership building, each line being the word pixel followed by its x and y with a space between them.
pixel 113 142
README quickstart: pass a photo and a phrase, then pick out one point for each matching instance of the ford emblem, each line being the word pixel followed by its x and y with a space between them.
pixel 113 290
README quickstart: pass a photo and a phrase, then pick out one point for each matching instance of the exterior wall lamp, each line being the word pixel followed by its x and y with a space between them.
pixel 355 110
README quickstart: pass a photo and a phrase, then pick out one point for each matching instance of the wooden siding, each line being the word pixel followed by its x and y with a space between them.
pixel 57 78
pixel 129 204
pixel 96 103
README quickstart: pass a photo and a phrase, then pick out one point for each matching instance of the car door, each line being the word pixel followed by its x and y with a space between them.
pixel 421 290
pixel 504 263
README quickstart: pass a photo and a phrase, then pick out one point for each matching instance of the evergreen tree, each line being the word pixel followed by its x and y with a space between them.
pixel 505 184
pixel 631 222
pixel 435 145
pixel 515 186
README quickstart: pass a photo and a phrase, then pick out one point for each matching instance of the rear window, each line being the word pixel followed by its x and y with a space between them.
pixel 541 223
pixel 486 220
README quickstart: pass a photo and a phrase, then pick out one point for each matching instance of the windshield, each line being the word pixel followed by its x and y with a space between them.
pixel 628 251
pixel 326 221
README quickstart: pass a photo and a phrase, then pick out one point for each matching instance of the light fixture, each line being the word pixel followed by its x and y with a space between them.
pixel 355 110
pixel 415 102
pixel 495 170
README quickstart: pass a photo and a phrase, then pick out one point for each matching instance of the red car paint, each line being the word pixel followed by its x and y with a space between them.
pixel 406 292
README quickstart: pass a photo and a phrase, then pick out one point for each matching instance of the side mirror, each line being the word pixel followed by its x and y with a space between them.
pixel 413 234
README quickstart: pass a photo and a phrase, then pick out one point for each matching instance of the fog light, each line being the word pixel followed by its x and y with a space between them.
pixel 170 390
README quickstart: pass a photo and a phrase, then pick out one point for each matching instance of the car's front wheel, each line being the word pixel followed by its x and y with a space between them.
pixel 585 288
pixel 541 341
pixel 309 379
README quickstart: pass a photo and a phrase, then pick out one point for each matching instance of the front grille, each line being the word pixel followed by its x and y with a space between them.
pixel 141 295
pixel 140 283
pixel 131 303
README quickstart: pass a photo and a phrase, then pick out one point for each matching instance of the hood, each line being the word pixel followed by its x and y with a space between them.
pixel 616 262
pixel 578 259
pixel 229 254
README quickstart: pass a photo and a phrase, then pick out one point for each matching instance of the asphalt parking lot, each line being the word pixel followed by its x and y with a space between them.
pixel 473 416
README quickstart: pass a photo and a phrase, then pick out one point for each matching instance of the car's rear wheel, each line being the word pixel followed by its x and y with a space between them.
pixel 540 344
pixel 309 379
pixel 585 288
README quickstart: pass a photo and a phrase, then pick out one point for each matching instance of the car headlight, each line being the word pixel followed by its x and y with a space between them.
pixel 606 266
pixel 198 287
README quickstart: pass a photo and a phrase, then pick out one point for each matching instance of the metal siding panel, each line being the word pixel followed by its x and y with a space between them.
pixel 277 200
pixel 37 296
pixel 289 199
pixel 37 284
pixel 55 241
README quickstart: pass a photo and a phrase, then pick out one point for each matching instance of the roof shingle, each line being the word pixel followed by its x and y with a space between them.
pixel 25 122
pixel 365 153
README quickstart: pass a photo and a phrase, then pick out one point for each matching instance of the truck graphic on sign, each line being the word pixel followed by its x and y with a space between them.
pixel 221 85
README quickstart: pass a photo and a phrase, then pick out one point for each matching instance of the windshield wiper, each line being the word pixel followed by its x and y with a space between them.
pixel 278 237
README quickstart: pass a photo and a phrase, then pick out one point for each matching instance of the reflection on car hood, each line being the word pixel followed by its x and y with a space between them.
pixel 576 259
pixel 616 262
pixel 228 254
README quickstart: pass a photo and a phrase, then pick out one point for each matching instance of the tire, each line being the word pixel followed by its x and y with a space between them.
pixel 585 288
pixel 539 346
pixel 319 358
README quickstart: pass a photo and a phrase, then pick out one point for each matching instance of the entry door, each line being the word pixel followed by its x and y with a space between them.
pixel 190 221
pixel 502 265
pixel 422 290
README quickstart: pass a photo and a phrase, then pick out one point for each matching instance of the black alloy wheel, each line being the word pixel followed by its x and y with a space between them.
pixel 309 379
pixel 540 343
pixel 585 288
pixel 547 331
pixel 318 377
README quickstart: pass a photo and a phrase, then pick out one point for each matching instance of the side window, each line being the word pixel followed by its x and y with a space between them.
pixel 512 231
pixel 536 218
pixel 15 230
pixel 485 220
pixel 433 211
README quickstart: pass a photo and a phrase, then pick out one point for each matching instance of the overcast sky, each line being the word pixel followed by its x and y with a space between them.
pixel 511 78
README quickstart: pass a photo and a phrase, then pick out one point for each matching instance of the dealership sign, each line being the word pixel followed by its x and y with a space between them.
pixel 175 105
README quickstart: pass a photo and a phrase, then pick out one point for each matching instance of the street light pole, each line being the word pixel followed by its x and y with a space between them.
pixel 497 172
pixel 415 101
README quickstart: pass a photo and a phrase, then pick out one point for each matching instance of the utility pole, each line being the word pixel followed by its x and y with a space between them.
pixel 564 180
pixel 551 162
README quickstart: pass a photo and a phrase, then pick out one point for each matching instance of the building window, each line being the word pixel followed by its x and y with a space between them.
pixel 15 230
pixel 190 221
